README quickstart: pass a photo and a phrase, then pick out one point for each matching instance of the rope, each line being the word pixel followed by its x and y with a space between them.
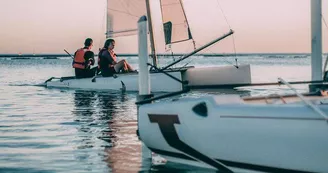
pixel 223 14
pixel 125 6
pixel 234 48
pixel 167 74
pixel 209 50
pixel 169 49
pixel 315 108
pixel 233 38
pixel 103 23
pixel 324 21
pixel 124 12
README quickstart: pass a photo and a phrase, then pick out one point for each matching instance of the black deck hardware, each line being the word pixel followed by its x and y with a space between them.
pixel 200 109
pixel 166 73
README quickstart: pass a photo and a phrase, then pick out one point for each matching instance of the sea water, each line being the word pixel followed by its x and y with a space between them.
pixel 58 130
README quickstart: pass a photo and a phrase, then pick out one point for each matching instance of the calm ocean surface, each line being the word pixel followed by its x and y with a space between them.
pixel 54 130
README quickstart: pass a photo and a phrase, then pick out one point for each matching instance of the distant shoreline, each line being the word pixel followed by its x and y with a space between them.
pixel 55 56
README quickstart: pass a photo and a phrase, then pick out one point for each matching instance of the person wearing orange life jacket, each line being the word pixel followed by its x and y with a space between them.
pixel 83 61
pixel 107 62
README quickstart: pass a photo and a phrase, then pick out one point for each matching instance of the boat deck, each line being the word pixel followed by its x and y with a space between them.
pixel 283 99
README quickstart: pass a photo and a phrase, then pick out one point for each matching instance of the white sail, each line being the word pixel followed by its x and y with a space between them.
pixel 122 16
pixel 200 22
pixel 173 21
pixel 176 28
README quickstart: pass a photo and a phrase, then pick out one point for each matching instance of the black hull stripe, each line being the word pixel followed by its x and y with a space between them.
pixel 166 125
pixel 231 163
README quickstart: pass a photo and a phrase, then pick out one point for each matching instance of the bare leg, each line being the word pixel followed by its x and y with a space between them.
pixel 119 66
pixel 129 67
pixel 123 65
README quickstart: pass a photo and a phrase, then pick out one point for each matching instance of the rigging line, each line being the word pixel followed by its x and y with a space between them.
pixel 225 17
pixel 133 3
pixel 214 54
pixel 124 12
pixel 234 47
pixel 233 37
pixel 124 31
pixel 126 5
pixel 307 102
pixel 115 35
pixel 176 24
pixel 170 4
pixel 137 4
pixel 103 23
pixel 324 21
pixel 191 60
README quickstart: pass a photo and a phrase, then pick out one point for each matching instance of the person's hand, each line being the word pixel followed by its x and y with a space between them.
pixel 91 62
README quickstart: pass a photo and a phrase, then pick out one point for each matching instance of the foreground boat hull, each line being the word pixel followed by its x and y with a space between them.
pixel 268 138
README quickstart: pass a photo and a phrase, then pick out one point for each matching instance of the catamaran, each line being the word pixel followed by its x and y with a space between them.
pixel 122 18
pixel 284 133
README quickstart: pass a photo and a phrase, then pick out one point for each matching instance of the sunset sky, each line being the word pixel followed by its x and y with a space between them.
pixel 261 26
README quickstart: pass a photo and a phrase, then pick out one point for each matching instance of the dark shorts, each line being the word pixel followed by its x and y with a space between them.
pixel 108 72
pixel 85 73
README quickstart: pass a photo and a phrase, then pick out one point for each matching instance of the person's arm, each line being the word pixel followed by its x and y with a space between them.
pixel 112 59
pixel 109 58
pixel 90 62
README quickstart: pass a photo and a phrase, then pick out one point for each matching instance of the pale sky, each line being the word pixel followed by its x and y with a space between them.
pixel 261 26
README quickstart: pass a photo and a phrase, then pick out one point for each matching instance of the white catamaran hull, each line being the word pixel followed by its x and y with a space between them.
pixel 214 76
pixel 197 77
pixel 268 138
pixel 129 82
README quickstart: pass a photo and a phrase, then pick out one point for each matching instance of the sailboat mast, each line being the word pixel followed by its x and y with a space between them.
pixel 151 33
pixel 316 39
pixel 109 23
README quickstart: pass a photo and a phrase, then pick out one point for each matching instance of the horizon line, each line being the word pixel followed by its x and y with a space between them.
pixel 11 55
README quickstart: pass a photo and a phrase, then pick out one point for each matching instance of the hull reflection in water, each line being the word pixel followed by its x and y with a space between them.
pixel 115 113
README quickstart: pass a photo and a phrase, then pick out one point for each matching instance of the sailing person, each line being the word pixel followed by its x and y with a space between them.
pixel 89 59
pixel 107 62
pixel 83 59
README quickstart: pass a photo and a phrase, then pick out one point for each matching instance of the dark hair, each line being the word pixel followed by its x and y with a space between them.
pixel 88 42
pixel 108 42
pixel 89 55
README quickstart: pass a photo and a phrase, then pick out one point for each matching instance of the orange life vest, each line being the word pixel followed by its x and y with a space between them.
pixel 79 61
